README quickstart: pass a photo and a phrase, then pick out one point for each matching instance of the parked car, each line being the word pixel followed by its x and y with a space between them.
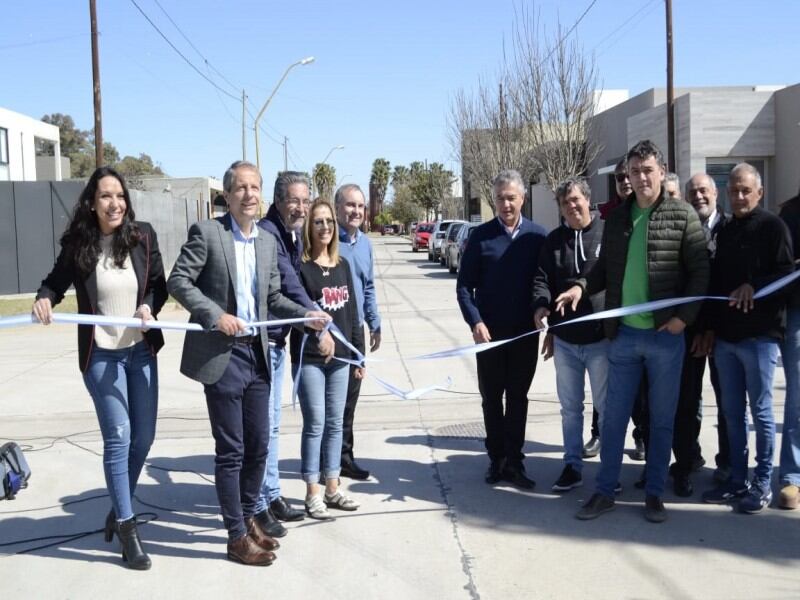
pixel 436 239
pixel 419 239
pixel 456 250
pixel 449 239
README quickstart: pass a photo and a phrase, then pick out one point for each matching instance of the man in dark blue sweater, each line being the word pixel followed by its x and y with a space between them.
pixel 284 221
pixel 494 291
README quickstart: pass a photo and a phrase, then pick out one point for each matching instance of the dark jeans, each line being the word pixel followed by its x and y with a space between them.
pixel 508 369
pixel 638 416
pixel 238 409
pixel 689 415
pixel 353 390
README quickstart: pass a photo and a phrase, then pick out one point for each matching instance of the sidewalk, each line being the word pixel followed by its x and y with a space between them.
pixel 428 526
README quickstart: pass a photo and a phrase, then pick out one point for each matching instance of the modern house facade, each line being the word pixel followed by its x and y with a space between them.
pixel 715 128
pixel 18 160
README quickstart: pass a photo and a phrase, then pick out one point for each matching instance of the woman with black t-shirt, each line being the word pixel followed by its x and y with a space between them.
pixel 323 385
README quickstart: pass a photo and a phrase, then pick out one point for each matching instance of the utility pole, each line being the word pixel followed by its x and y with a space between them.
pixel 98 114
pixel 285 153
pixel 244 135
pixel 670 94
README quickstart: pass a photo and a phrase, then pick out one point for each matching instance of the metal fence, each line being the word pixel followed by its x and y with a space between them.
pixel 34 214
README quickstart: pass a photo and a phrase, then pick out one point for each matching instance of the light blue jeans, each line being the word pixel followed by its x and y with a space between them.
pixel 271 487
pixel 572 362
pixel 745 369
pixel 790 444
pixel 124 387
pixel 322 392
pixel 661 354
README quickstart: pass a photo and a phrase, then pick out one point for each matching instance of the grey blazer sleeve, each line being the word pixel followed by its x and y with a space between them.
pixel 182 283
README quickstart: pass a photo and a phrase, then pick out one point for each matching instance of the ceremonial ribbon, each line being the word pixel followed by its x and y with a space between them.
pixel 361 360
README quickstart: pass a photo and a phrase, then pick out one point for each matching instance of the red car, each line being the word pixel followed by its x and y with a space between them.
pixel 419 239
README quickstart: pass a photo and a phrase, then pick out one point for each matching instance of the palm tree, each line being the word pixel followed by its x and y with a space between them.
pixel 378 181
pixel 324 177
pixel 400 176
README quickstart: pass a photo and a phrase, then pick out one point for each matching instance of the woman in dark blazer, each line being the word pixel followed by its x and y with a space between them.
pixel 115 265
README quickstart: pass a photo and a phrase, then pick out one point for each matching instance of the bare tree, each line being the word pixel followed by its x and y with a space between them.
pixel 534 115
pixel 553 93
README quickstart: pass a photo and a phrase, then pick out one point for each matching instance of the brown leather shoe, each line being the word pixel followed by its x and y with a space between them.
pixel 244 550
pixel 258 536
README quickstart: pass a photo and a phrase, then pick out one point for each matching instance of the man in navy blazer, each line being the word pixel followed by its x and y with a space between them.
pixel 495 293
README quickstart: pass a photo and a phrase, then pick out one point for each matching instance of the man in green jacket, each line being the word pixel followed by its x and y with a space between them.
pixel 653 248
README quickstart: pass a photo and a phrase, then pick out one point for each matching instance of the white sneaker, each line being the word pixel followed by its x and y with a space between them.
pixel 316 509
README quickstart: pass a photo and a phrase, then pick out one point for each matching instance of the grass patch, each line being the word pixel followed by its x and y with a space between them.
pixel 21 306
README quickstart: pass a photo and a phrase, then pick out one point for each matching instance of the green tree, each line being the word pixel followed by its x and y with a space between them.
pixel 429 186
pixel 324 177
pixel 379 180
pixel 404 207
pixel 73 140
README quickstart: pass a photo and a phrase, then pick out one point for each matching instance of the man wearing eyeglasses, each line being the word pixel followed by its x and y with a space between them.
pixel 753 249
pixel 284 221
pixel 357 249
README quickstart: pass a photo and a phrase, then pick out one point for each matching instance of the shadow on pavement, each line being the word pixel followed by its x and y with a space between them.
pixel 770 536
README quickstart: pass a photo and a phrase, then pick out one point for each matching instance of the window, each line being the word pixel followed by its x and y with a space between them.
pixel 4 172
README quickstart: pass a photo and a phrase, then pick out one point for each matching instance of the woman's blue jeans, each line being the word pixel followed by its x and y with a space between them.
pixel 124 387
pixel 322 392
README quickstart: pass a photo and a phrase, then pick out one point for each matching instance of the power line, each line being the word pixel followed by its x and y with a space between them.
pixel 45 41
pixel 569 31
pixel 188 41
pixel 623 24
pixel 188 62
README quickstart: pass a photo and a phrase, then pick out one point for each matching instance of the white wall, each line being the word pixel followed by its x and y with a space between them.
pixel 22 131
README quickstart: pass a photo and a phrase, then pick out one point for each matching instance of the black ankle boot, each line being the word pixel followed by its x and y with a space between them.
pixel 111 520
pixel 132 550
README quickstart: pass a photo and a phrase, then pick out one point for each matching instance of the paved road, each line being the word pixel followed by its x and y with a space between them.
pixel 428 526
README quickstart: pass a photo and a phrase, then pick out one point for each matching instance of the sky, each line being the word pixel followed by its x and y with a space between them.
pixel 383 76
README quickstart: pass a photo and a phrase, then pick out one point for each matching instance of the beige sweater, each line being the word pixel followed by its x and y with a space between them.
pixel 116 297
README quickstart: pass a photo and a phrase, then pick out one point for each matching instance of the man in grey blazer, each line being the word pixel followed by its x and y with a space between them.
pixel 226 276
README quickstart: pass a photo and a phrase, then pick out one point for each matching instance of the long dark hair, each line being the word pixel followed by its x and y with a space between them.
pixel 82 236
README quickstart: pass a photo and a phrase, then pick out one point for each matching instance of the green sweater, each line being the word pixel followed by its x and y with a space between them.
pixel 677 260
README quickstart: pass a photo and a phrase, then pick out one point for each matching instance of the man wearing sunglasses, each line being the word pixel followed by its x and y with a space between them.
pixel 592 447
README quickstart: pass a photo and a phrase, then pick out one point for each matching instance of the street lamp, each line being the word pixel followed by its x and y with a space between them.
pixel 343 178
pixel 324 160
pixel 307 60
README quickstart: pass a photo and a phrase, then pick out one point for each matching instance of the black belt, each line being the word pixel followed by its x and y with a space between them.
pixel 247 340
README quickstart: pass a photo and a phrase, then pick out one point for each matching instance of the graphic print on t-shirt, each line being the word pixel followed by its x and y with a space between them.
pixel 334 298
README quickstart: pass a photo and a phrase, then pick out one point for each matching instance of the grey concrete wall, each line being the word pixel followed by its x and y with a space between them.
pixel 610 130
pixel 787 143
pixel 34 215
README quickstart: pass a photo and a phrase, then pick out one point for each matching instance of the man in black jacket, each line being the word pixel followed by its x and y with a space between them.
pixel 569 252
pixel 701 193
pixel 753 250
pixel 653 249
pixel 790 351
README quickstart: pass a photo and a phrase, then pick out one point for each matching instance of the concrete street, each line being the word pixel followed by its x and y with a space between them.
pixel 428 526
